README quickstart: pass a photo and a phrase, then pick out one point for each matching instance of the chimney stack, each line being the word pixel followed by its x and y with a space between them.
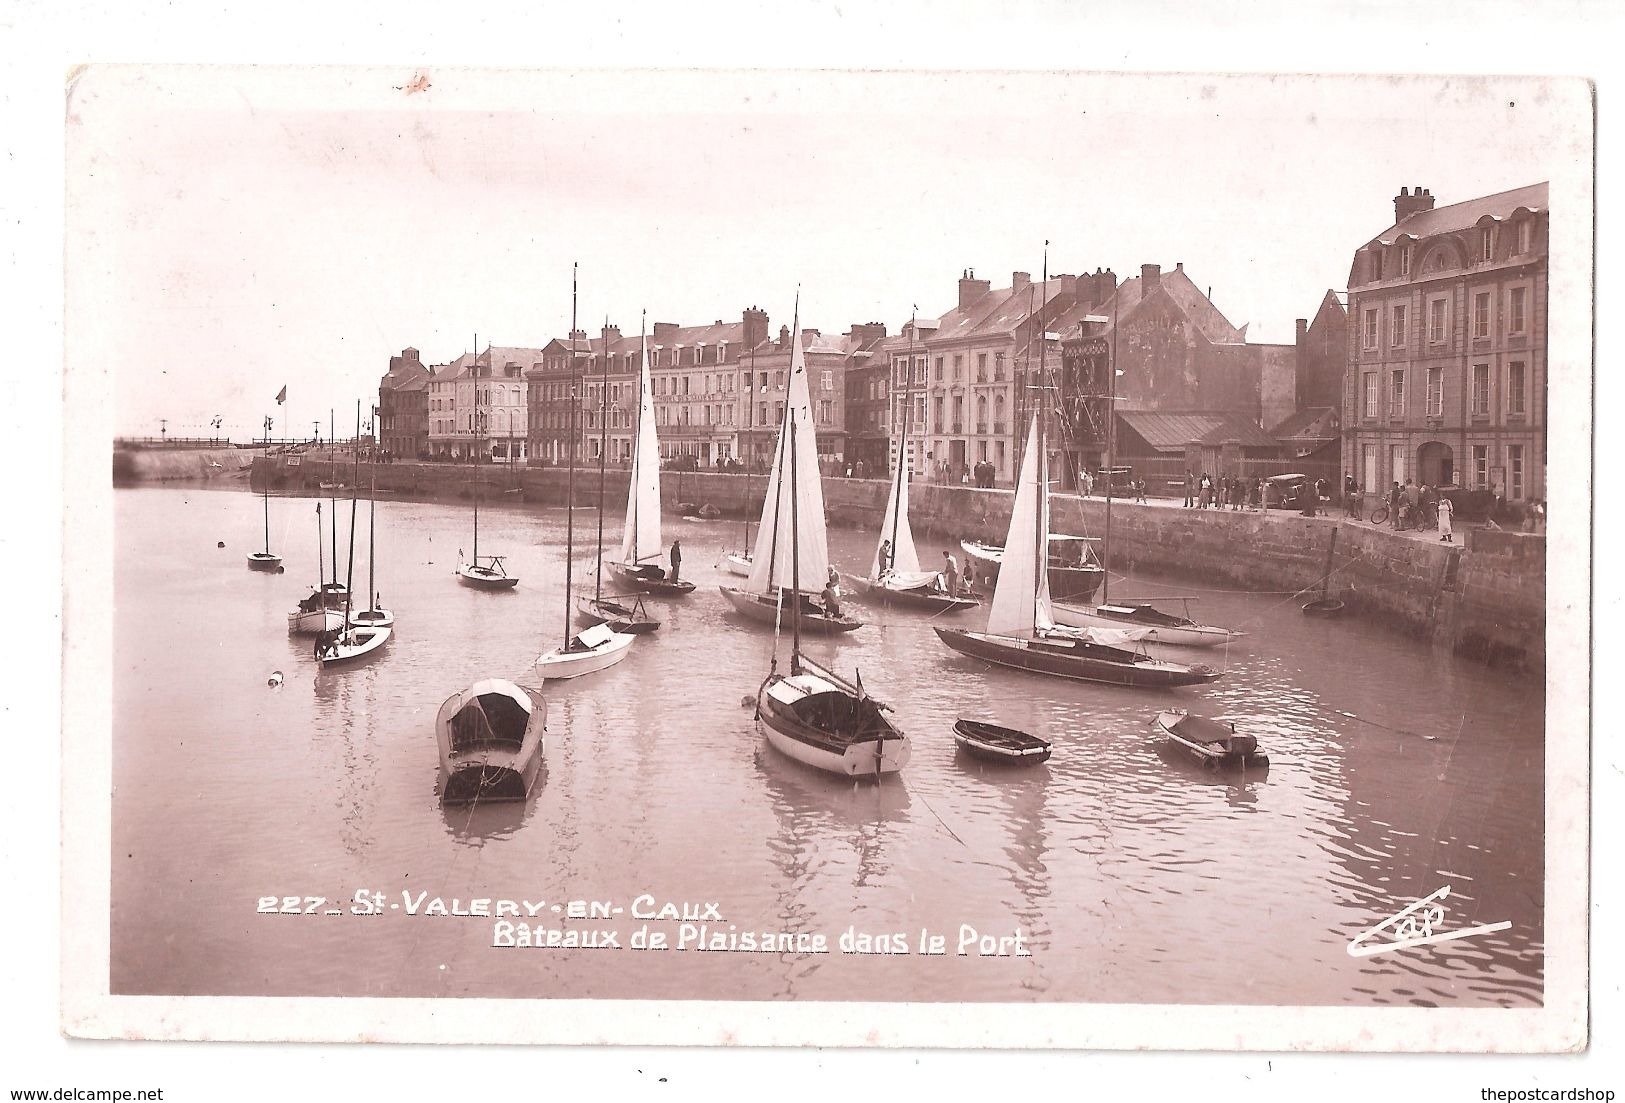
pixel 1409 202
pixel 662 331
pixel 755 326
pixel 784 336
pixel 1150 280
pixel 611 333
pixel 1020 280
pixel 971 288
pixel 1303 329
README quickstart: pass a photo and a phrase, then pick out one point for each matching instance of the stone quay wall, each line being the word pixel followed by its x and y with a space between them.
pixel 1485 598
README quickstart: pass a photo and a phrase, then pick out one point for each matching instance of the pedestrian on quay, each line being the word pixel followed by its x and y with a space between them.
pixel 1255 497
pixel 1446 533
pixel 1139 491
pixel 1240 496
pixel 1394 497
pixel 676 559
pixel 1189 483
pixel 1205 492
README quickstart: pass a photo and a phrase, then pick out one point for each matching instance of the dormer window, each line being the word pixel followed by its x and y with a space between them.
pixel 1525 235
pixel 1486 244
pixel 1405 260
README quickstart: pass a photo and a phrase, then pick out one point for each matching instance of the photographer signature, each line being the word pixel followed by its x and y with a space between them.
pixel 1415 926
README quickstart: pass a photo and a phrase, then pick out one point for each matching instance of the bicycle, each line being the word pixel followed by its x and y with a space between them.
pixel 1379 516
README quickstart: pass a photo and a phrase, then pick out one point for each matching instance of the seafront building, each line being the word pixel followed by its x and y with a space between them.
pixel 1446 364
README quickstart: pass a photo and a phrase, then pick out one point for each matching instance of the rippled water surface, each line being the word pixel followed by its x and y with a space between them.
pixel 1131 875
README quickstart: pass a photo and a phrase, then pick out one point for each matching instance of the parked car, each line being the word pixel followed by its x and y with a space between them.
pixel 1288 491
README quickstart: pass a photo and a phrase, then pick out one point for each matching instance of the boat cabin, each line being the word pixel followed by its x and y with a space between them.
pixel 489 719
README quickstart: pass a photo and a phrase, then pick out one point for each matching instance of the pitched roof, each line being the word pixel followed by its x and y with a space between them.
pixel 1195 305
pixel 1310 423
pixel 1168 432
pixel 1467 214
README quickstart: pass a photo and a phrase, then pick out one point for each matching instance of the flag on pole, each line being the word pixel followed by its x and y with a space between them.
pixel 282 395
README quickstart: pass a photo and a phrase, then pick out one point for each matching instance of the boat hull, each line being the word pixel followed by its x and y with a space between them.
pixel 1074 660
pixel 1006 746
pixel 764 610
pixel 317 620
pixel 920 597
pixel 372 618
pixel 559 663
pixel 1178 635
pixel 590 611
pixel 362 644
pixel 1211 743
pixel 263 561
pixel 480 578
pixel 737 563
pixel 494 770
pixel 649 579
pixel 1076 584
pixel 1325 607
pixel 784 731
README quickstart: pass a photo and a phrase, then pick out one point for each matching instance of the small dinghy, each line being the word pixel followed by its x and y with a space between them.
pixel 263 561
pixel 993 743
pixel 1216 746
pixel 1324 607
pixel 737 563
pixel 620 617
pixel 490 738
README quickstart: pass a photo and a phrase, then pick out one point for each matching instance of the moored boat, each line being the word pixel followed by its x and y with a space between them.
pixel 1075 654
pixel 1074 575
pixel 737 563
pixel 1324 607
pixel 811 714
pixel 927 595
pixel 587 652
pixel 774 610
pixel 1215 745
pixel 1160 627
pixel 823 721
pixel 620 617
pixel 641 540
pixel 263 561
pixel 352 645
pixel 995 743
pixel 490 575
pixel 490 738
pixel 323 609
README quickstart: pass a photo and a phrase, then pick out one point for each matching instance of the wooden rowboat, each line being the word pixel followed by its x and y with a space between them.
pixel 993 743
pixel 620 617
pixel 1216 746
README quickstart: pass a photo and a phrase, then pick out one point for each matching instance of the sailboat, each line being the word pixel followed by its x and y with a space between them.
pixel 265 561
pixel 352 643
pixel 792 521
pixel 812 714
pixel 895 574
pixel 597 647
pixel 599 609
pixel 739 562
pixel 316 613
pixel 1021 632
pixel 1160 626
pixel 490 574
pixel 641 540
pixel 334 593
pixel 374 615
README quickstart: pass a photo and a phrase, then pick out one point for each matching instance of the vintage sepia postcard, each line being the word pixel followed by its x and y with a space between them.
pixel 917 559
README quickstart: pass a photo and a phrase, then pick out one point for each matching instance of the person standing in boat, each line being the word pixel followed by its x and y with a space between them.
pixel 676 559
pixel 950 574
pixel 885 557
pixel 832 594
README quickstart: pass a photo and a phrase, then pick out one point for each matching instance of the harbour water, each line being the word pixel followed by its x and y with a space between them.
pixel 1128 873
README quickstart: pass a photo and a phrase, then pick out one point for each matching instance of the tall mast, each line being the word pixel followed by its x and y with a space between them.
pixel 474 373
pixel 267 489
pixel 635 471
pixel 1041 547
pixel 603 460
pixel 355 480
pixel 1111 460
pixel 372 513
pixel 333 464
pixel 901 473
pixel 321 567
pixel 795 511
pixel 749 383
pixel 570 480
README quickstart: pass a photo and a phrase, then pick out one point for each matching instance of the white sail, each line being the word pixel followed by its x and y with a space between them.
pixel 1021 598
pixel 771 565
pixel 641 540
pixel 904 559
